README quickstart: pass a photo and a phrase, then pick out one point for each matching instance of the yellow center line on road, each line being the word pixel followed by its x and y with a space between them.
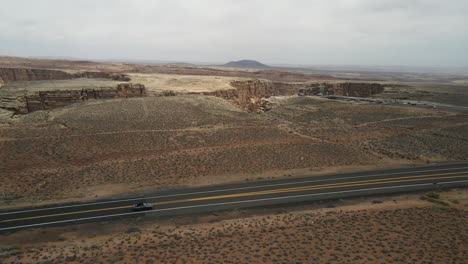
pixel 309 189
pixel 265 192
pixel 70 213
pixel 300 189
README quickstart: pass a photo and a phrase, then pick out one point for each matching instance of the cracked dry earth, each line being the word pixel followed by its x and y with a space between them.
pixel 112 147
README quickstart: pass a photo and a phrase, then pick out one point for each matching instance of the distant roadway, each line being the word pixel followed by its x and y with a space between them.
pixel 252 194
pixel 412 103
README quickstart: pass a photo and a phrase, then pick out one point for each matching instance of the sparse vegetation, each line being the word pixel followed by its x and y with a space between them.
pixel 401 233
pixel 433 195
pixel 194 140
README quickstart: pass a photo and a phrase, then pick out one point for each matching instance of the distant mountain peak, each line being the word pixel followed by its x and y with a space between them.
pixel 246 64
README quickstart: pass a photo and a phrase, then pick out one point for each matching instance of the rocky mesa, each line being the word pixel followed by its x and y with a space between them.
pixel 49 99
pixel 250 95
pixel 22 74
pixel 18 74
pixel 45 100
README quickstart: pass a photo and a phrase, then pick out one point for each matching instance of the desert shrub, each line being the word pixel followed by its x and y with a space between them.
pixel 433 195
pixel 133 230
pixel 433 200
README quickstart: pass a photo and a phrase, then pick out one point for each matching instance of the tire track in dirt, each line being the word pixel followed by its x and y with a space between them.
pixel 402 118
pixel 191 129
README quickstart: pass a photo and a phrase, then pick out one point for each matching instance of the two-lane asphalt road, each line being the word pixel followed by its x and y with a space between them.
pixel 254 194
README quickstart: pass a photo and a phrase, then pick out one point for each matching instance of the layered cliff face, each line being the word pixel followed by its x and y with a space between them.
pixel 250 95
pixel 19 74
pixel 45 100
pixel 343 89
pixel 354 89
pixel 104 75
pixel 56 98
pixel 13 104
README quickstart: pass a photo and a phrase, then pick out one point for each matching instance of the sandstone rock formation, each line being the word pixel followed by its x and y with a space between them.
pixel 119 77
pixel 21 74
pixel 56 98
pixel 91 75
pixel 249 95
pixel 342 89
pixel 104 75
pixel 167 93
pixel 17 74
pixel 311 89
pixel 129 90
pixel 265 105
pixel 14 104
pixel 353 89
pixel 45 100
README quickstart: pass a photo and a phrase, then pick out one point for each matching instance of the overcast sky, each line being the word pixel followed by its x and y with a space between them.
pixel 345 32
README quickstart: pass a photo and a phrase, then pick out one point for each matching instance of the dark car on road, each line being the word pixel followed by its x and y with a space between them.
pixel 142 206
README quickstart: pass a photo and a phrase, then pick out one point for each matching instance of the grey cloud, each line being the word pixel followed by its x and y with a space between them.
pixel 397 32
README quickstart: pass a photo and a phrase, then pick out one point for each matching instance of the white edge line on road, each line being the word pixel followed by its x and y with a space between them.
pixel 223 190
pixel 225 203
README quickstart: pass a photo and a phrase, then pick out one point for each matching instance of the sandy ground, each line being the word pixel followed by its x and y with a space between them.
pixel 182 83
pixel 98 148
pixel 102 148
pixel 393 229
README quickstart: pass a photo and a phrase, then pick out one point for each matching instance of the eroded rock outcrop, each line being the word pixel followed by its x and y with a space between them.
pixel 21 74
pixel 167 93
pixel 249 94
pixel 14 104
pixel 355 89
pixel 104 75
pixel 265 105
pixel 18 74
pixel 343 89
pixel 310 89
pixel 130 90
pixel 56 98
pixel 45 100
